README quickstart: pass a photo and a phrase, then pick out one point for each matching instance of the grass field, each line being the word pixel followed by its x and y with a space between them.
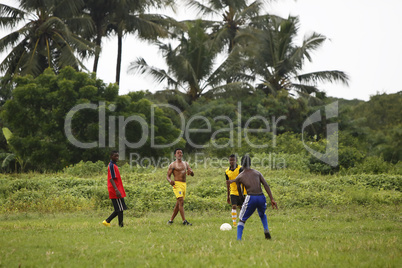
pixel 350 236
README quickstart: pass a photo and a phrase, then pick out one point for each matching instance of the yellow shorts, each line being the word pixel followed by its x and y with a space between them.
pixel 179 189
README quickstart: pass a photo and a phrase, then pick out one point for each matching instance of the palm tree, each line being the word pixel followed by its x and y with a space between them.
pixel 191 64
pixel 130 16
pixel 236 14
pixel 100 12
pixel 278 62
pixel 44 40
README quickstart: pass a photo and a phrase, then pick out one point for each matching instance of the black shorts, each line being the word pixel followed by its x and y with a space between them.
pixel 119 204
pixel 235 200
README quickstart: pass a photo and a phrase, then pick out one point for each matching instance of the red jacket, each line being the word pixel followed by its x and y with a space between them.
pixel 113 172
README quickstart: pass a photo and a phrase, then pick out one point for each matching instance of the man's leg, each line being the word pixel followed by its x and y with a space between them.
pixel 234 214
pixel 112 216
pixel 240 229
pixel 263 217
pixel 175 210
pixel 180 200
pixel 120 217
pixel 246 211
pixel 261 212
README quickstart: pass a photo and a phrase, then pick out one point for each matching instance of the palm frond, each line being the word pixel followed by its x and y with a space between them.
pixel 10 16
pixel 237 90
pixel 233 68
pixel 68 8
pixel 324 76
pixel 159 75
pixel 304 89
pixel 80 43
pixel 248 12
pixel 312 42
pixel 31 63
pixel 11 63
pixel 147 26
pixel 82 25
pixel 55 25
pixel 66 57
pixel 9 40
pixel 200 8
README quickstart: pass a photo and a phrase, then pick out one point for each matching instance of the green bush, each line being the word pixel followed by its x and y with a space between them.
pixel 380 181
pixel 276 161
pixel 372 165
pixel 289 143
pixel 86 169
pixel 126 168
pixel 348 157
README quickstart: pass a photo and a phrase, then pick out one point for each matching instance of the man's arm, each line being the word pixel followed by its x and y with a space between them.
pixel 169 174
pixel 268 190
pixel 112 177
pixel 228 182
pixel 228 188
pixel 240 190
pixel 118 194
pixel 189 170
pixel 240 171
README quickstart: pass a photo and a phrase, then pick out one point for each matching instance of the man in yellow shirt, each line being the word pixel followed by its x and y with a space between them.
pixel 233 194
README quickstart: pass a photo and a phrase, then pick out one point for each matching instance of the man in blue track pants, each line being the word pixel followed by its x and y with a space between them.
pixel 255 199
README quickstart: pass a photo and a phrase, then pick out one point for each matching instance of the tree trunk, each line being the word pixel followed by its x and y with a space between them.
pixel 98 43
pixel 119 52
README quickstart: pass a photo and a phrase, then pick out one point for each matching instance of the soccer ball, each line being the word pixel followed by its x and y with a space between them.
pixel 226 227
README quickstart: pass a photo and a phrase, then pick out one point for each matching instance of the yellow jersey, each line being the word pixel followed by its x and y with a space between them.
pixel 231 175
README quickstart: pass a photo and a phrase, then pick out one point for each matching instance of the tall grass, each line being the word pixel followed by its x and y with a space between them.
pixel 148 191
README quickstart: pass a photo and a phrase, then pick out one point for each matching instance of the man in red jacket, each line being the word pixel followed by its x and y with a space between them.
pixel 116 190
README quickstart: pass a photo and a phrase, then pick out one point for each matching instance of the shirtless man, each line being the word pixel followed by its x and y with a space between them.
pixel 255 199
pixel 179 169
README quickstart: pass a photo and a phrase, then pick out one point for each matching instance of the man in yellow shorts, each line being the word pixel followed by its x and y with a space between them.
pixel 180 170
pixel 233 194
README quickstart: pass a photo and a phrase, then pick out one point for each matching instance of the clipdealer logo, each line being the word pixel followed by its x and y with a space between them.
pixel 108 126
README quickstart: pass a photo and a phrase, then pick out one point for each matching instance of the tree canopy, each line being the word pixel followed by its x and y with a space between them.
pixel 45 39
pixel 39 112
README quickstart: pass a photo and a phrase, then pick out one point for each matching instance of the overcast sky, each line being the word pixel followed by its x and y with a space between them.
pixel 364 40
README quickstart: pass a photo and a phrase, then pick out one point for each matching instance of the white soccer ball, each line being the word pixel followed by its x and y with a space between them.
pixel 226 227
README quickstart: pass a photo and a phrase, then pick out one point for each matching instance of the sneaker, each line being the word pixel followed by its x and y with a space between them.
pixel 107 224
pixel 170 222
pixel 235 224
pixel 267 235
pixel 185 222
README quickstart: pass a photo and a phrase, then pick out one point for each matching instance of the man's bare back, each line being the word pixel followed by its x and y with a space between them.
pixel 251 179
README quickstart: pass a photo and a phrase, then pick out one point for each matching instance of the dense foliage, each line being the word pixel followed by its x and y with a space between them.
pixel 44 125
